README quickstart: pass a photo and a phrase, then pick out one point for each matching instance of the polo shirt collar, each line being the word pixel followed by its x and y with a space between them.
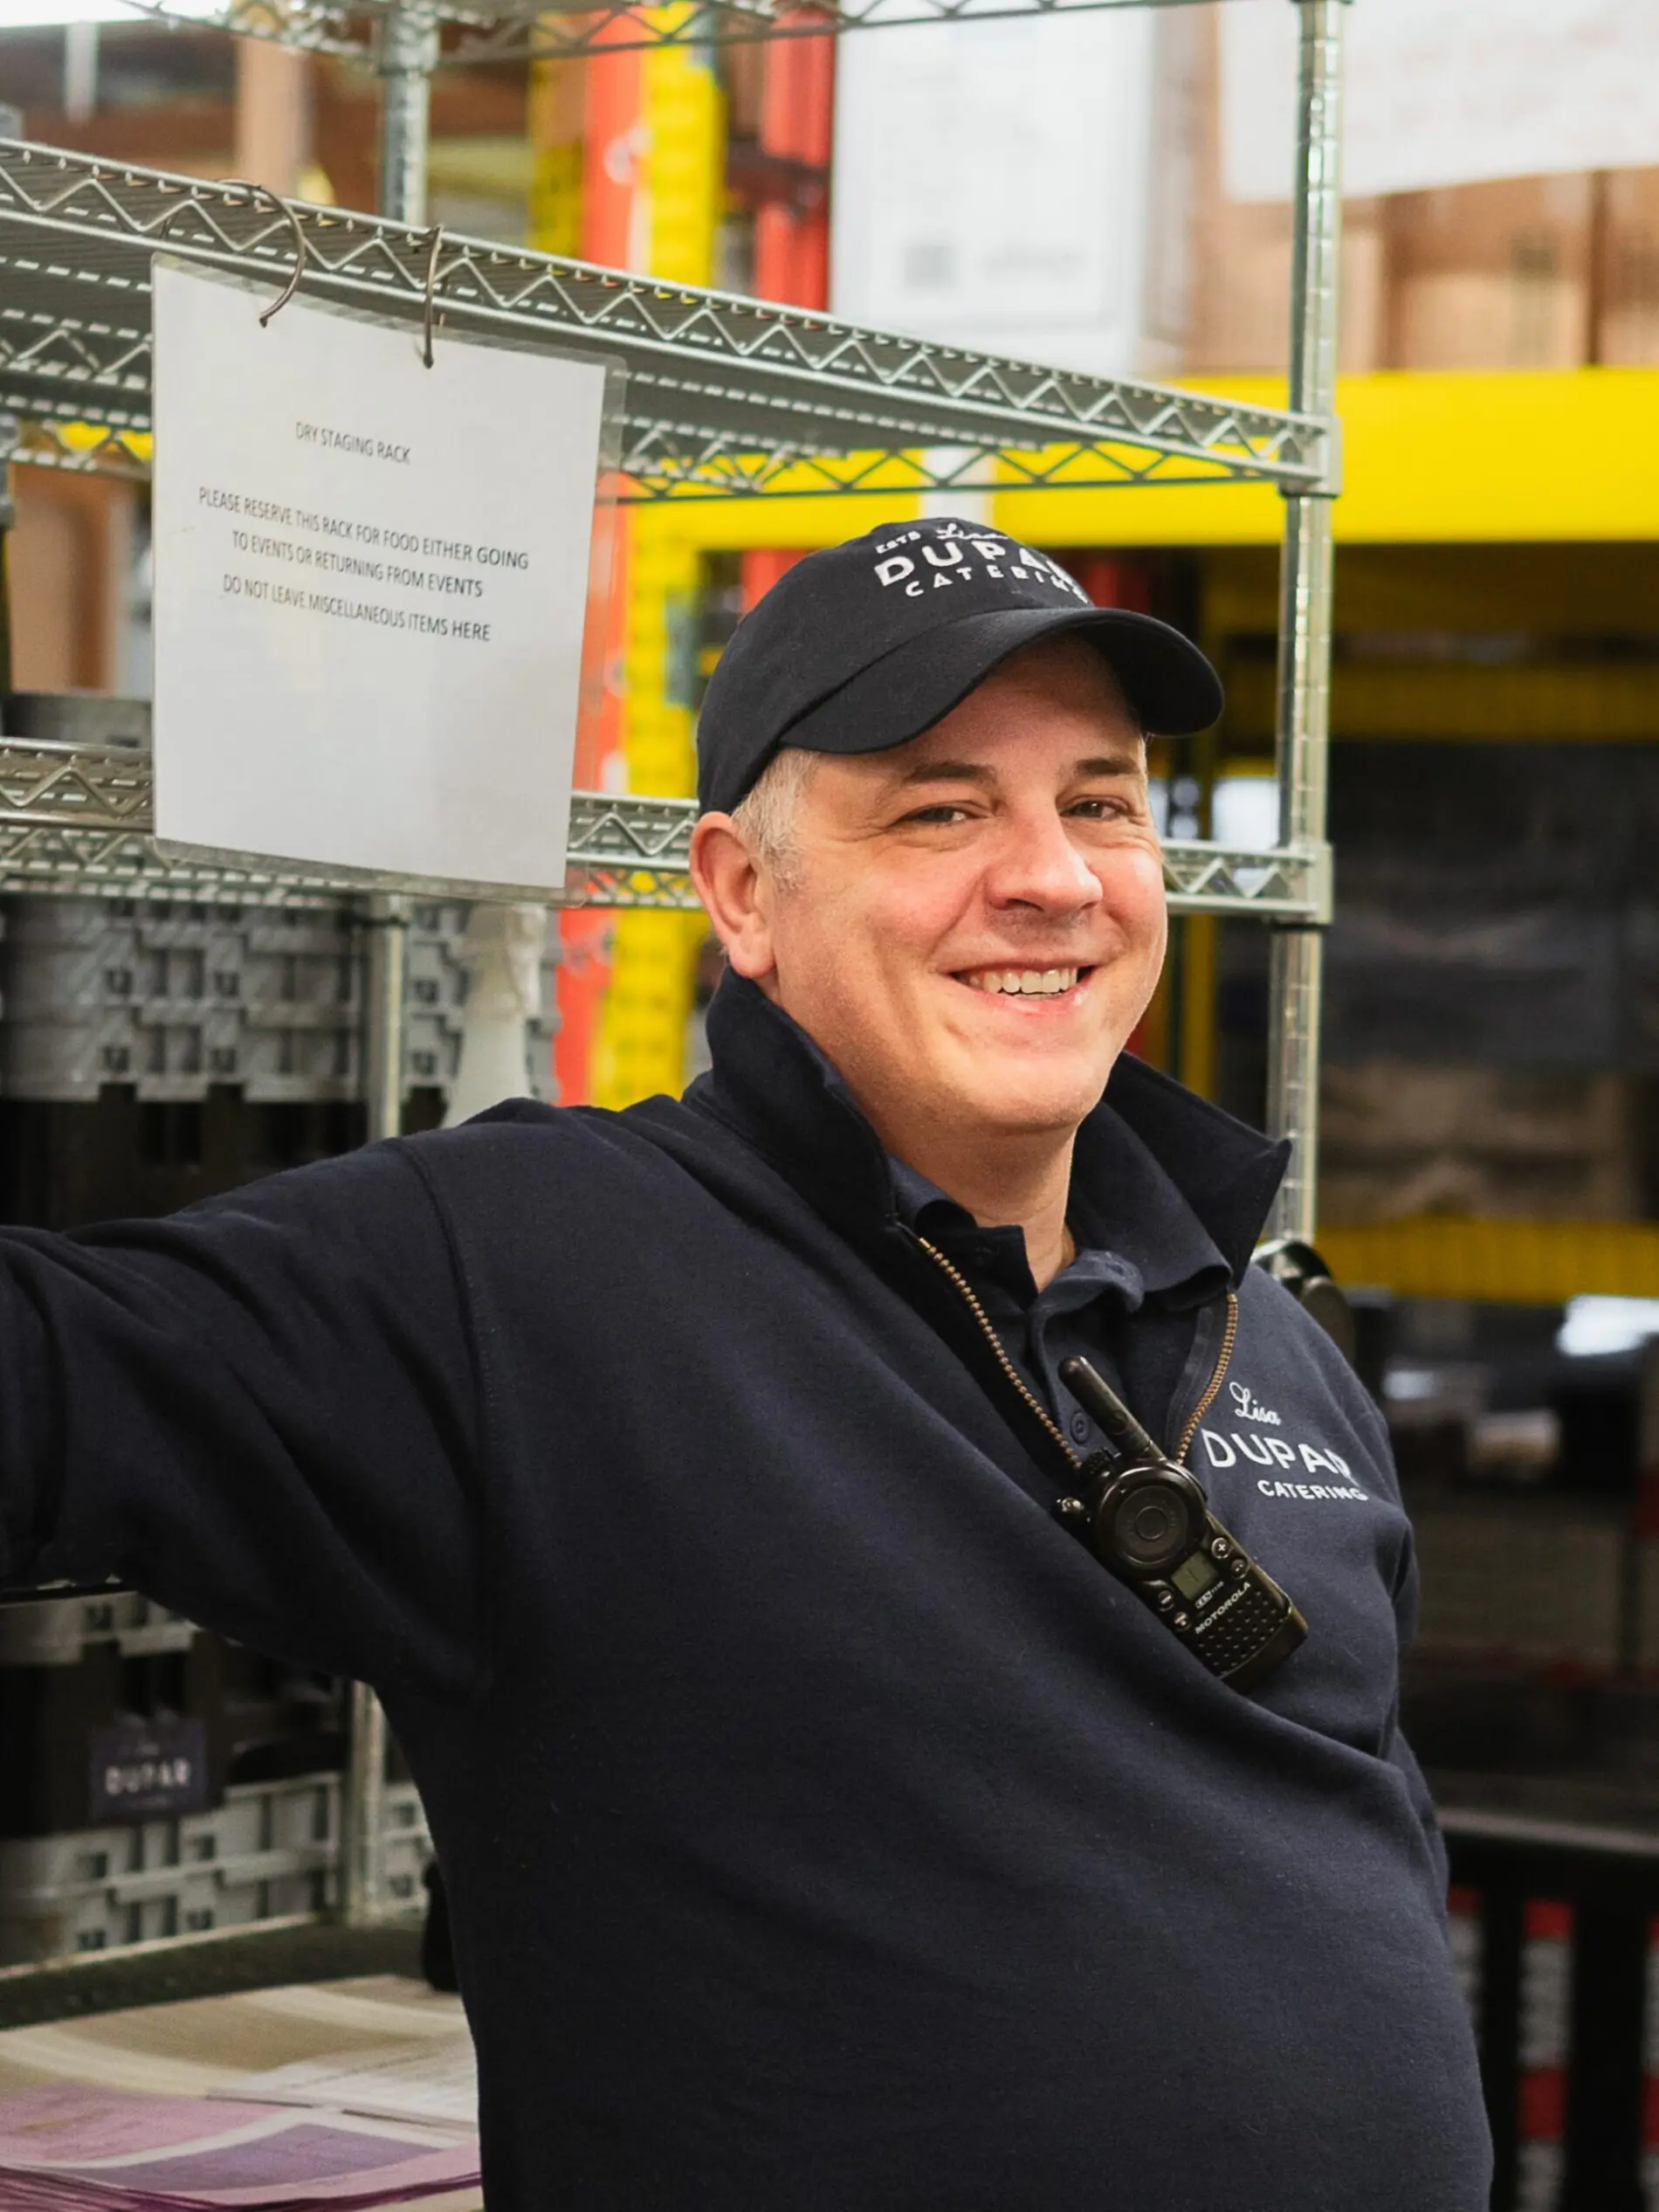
pixel 1136 1237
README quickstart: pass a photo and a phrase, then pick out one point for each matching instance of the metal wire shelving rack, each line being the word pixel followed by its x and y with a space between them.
pixel 726 397
pixel 75 820
pixel 356 28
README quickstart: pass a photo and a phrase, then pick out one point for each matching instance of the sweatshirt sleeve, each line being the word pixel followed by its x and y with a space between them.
pixel 1407 1593
pixel 1401 1754
pixel 262 1411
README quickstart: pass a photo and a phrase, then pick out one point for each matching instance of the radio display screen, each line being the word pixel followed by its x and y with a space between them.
pixel 1194 1576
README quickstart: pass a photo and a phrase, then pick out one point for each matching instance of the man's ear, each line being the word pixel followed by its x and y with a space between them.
pixel 737 890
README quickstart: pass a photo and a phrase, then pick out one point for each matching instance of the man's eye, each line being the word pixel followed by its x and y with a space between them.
pixel 1101 809
pixel 944 813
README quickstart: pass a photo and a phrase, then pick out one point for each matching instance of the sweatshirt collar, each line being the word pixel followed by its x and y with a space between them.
pixel 772 1084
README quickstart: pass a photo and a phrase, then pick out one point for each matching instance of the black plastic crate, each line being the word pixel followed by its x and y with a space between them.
pixel 122 1737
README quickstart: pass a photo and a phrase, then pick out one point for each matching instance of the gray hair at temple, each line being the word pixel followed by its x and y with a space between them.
pixel 768 815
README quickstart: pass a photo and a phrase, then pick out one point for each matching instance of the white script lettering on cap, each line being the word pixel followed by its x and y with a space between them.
pixel 942 549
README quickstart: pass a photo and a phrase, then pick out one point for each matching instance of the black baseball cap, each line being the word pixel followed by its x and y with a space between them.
pixel 866 644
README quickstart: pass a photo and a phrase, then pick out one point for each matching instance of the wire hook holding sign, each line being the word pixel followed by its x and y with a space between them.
pixel 434 247
pixel 432 239
pixel 302 252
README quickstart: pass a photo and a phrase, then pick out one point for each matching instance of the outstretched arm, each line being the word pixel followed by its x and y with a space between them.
pixel 262 1411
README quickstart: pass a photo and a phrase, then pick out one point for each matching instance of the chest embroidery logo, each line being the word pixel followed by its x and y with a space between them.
pixel 1249 1408
pixel 1278 1455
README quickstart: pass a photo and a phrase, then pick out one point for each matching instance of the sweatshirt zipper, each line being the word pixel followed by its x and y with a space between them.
pixel 1229 1337
pixel 970 1299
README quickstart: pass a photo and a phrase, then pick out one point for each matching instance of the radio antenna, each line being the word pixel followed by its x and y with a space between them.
pixel 1127 1436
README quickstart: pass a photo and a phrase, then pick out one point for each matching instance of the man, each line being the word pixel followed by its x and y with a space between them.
pixel 826 1829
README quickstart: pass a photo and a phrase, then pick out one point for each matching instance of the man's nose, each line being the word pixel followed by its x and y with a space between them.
pixel 1039 867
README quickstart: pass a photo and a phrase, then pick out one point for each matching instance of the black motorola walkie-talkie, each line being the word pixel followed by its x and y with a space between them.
pixel 1146 1518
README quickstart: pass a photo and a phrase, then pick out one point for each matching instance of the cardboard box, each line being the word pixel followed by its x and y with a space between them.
pixel 1398 1139
pixel 1628 269
pixel 1239 300
pixel 1524 272
pixel 1490 276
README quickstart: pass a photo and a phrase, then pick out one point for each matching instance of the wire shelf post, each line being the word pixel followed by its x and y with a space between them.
pixel 405 56
pixel 1295 973
pixel 363 1888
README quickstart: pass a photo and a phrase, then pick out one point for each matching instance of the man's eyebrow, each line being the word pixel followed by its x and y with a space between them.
pixel 941 772
pixel 1132 763
pixel 980 772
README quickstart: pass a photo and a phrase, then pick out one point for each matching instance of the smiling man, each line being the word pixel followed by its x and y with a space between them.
pixel 826 1829
pixel 968 924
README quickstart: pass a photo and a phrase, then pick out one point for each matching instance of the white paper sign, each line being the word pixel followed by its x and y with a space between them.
pixel 991 184
pixel 371 584
pixel 1449 91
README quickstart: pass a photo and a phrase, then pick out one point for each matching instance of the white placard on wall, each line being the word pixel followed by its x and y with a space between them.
pixel 1448 92
pixel 372 580
pixel 991 184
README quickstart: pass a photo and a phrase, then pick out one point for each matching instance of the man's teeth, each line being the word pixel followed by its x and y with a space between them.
pixel 1026 982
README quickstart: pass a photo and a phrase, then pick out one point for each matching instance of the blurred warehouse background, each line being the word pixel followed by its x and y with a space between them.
pixel 1108 191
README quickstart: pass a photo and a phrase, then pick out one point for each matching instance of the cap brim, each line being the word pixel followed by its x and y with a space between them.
pixel 1170 687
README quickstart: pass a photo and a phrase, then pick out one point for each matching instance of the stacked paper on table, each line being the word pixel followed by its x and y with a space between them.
pixel 73 2148
pixel 435 2078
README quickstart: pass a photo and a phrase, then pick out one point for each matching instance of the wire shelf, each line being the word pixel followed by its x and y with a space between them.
pixel 77 819
pixel 568 33
pixel 725 396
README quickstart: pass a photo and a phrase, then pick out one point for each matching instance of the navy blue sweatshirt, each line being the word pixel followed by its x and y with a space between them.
pixel 825 1831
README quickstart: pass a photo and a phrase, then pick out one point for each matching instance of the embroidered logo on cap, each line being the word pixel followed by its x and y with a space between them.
pixel 934 560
